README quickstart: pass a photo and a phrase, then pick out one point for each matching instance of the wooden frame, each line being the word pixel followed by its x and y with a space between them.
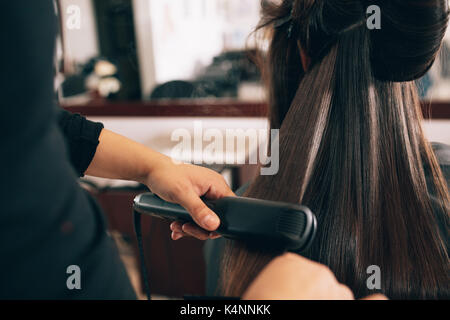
pixel 204 108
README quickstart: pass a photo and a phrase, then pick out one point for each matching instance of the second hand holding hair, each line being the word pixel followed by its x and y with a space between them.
pixel 293 277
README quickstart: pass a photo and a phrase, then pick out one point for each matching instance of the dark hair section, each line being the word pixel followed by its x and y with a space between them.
pixel 351 144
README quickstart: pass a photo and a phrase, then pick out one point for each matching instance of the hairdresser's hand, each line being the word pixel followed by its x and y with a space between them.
pixel 185 184
pixel 292 277
pixel 118 157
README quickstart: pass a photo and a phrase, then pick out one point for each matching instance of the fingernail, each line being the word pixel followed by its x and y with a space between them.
pixel 176 236
pixel 211 222
pixel 214 235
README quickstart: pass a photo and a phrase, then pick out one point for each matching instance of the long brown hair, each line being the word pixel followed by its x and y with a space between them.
pixel 351 144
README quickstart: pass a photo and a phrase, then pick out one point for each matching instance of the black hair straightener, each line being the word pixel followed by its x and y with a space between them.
pixel 280 225
pixel 285 225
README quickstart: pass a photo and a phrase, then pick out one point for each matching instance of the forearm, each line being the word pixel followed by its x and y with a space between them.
pixel 118 157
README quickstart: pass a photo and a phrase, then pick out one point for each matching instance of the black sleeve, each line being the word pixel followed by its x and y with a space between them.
pixel 82 138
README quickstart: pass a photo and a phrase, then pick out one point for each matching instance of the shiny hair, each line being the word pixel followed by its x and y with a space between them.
pixel 352 147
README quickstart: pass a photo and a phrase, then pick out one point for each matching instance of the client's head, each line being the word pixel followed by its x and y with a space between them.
pixel 351 143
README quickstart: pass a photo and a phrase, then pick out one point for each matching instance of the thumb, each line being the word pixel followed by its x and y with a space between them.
pixel 199 211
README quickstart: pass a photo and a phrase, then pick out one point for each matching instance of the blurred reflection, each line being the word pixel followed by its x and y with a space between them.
pixel 176 49
pixel 436 84
pixel 223 78
pixel 202 41
pixel 160 49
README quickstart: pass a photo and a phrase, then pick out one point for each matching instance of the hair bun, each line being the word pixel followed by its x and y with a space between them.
pixel 323 21
pixel 410 37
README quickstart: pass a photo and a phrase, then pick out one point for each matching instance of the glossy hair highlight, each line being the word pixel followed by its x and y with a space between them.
pixel 352 147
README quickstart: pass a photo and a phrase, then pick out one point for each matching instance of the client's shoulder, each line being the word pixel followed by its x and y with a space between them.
pixel 442 152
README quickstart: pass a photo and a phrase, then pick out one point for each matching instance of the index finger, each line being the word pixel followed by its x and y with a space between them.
pixel 218 191
pixel 199 211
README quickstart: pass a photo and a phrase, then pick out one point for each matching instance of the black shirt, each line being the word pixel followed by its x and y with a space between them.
pixel 82 138
pixel 47 222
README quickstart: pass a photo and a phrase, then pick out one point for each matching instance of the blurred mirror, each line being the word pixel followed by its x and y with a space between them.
pixel 159 49
pixel 174 49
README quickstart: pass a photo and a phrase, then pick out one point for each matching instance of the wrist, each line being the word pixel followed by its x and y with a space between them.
pixel 153 162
